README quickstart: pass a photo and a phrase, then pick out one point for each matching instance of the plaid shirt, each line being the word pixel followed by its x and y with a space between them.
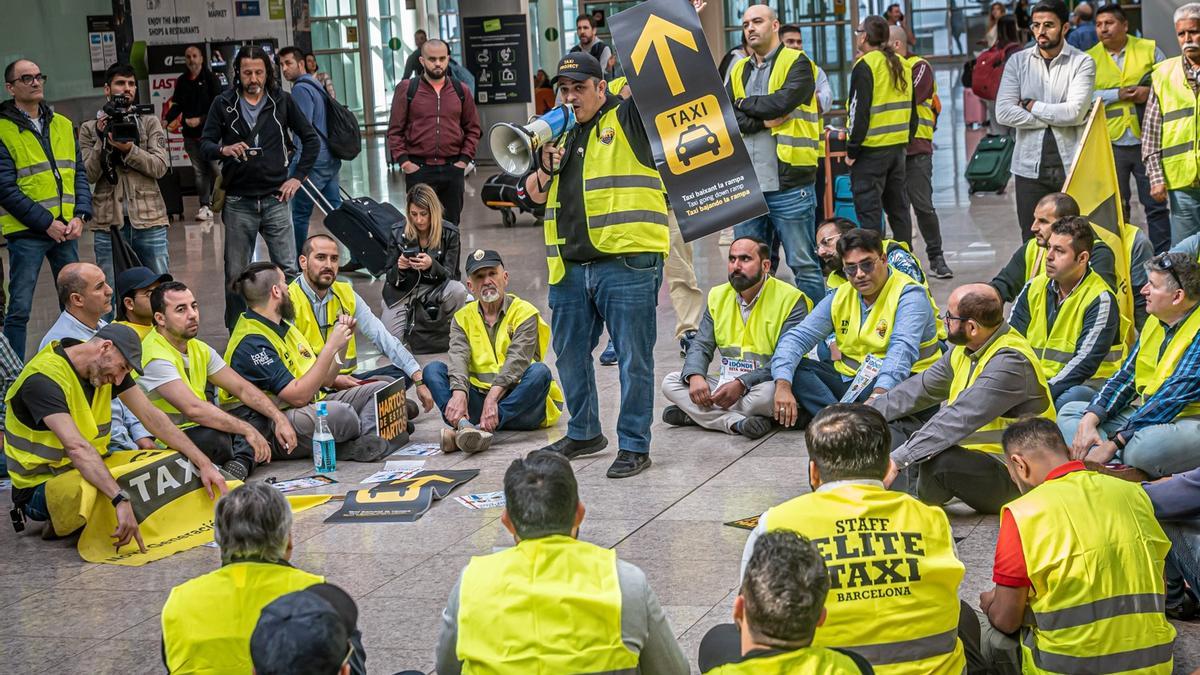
pixel 10 368
pixel 1152 128
pixel 1180 388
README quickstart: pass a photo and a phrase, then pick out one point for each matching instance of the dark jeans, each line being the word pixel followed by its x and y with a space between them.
pixel 878 181
pixel 1029 191
pixel 245 218
pixel 521 409
pixel 1158 217
pixel 979 479
pixel 206 171
pixel 447 181
pixel 25 255
pixel 918 178
pixel 818 384
pixel 221 446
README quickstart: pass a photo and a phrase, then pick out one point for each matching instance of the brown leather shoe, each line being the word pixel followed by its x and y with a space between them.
pixel 449 441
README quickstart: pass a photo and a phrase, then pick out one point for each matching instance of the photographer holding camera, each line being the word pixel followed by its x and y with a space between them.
pixel 125 153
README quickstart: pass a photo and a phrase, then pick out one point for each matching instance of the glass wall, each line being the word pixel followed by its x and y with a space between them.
pixel 343 31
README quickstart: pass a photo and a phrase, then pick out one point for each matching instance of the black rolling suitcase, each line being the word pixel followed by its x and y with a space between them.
pixel 172 194
pixel 499 192
pixel 362 224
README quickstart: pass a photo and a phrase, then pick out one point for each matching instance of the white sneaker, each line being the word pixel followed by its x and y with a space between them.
pixel 204 213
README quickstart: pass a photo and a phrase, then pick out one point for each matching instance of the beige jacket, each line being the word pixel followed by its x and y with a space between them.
pixel 137 177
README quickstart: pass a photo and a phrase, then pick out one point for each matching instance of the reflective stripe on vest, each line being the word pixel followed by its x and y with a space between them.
pixel 1138 61
pixel 806 661
pixel 49 182
pixel 194 373
pixel 857 338
pixel 913 572
pixel 1151 369
pixel 798 139
pixel 560 600
pixel 891 108
pixel 487 359
pixel 756 337
pixel 622 199
pixel 1097 590
pixel 1180 129
pixel 35 456
pixel 342 301
pixel 194 643
pixel 926 120
pixel 987 438
pixel 1057 345
pixel 295 351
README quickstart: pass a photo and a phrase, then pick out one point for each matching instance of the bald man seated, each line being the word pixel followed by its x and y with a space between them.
pixel 987 381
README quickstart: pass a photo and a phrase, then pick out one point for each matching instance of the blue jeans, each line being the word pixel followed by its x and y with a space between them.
pixel 1159 450
pixel 792 219
pixel 325 178
pixel 245 218
pixel 621 292
pixel 36 508
pixel 150 245
pixel 1185 213
pixel 521 409
pixel 817 384
pixel 1183 561
pixel 1077 394
pixel 25 255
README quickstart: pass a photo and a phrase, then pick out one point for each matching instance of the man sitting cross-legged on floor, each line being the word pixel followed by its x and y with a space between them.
pixel 1158 437
pixel 988 380
pixel 180 373
pixel 778 609
pixel 742 322
pixel 267 349
pixel 893 572
pixel 495 378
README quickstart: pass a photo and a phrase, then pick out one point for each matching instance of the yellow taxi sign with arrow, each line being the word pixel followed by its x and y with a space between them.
pixel 657 36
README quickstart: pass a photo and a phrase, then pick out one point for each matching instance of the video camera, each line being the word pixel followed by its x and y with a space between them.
pixel 122 118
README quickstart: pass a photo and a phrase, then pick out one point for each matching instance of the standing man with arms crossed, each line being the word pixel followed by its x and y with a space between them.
pixel 44 195
pixel 309 96
pixel 195 90
pixel 248 131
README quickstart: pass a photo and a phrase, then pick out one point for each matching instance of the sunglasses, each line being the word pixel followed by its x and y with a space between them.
pixel 28 79
pixel 1163 261
pixel 866 266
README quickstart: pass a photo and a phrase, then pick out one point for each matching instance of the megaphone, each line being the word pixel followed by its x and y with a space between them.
pixel 515 147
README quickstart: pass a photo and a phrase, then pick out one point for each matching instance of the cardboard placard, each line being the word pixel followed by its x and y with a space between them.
pixel 391 417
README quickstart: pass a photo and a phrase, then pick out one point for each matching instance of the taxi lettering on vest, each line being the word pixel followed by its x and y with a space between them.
pixel 855 558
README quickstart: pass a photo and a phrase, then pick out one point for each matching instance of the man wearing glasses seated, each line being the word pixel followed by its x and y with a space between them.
pixel 1147 416
pixel 991 378
pixel 883 325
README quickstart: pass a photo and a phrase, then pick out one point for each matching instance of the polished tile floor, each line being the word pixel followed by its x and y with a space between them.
pixel 62 615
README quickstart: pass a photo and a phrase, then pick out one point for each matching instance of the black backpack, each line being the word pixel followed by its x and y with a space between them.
pixel 342 133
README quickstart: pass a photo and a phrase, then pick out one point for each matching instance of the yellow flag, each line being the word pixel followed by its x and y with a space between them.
pixel 1093 183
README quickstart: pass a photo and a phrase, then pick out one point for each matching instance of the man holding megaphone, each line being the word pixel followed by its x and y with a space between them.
pixel 606 235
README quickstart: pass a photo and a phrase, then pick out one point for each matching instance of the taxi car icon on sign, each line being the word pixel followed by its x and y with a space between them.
pixel 696 140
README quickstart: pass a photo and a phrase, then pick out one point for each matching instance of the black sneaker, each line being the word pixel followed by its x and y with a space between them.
pixel 629 464
pixel 675 416
pixel 685 342
pixel 754 427
pixel 411 409
pixel 939 269
pixel 570 448
pixel 1184 611
pixel 365 448
pixel 236 469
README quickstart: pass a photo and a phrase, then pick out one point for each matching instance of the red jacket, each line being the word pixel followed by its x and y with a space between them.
pixel 438 129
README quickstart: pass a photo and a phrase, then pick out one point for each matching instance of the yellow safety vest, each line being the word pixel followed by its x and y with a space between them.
pixel 50 183
pixel 890 245
pixel 902 566
pixel 343 301
pixel 616 84
pixel 194 374
pixel 1180 130
pixel 487 359
pixel 891 109
pixel 1151 370
pixel 797 141
pixel 545 606
pixel 857 338
pixel 926 119
pixel 1035 260
pixel 140 328
pixel 835 280
pixel 756 337
pixel 207 621
pixel 1056 345
pixel 622 199
pixel 1139 60
pixel 987 438
pixel 36 456
pixel 297 354
pixel 806 661
pixel 1094 555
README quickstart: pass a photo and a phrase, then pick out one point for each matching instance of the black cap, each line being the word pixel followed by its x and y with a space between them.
pixel 137 278
pixel 481 258
pixel 303 632
pixel 126 340
pixel 578 66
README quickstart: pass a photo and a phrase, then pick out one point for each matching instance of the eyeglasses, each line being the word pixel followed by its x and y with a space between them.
pixel 947 316
pixel 28 79
pixel 1163 261
pixel 866 266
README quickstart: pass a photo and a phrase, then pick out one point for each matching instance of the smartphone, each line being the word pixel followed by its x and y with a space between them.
pixel 254 152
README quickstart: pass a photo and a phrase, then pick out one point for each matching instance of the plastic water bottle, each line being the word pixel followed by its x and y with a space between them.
pixel 324 450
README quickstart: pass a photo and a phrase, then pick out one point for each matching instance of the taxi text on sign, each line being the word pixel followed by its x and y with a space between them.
pixel 697 147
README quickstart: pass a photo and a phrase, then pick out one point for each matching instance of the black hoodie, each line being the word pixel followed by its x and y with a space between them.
pixel 262 175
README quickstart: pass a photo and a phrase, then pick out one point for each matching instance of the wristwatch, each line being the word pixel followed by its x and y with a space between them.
pixel 121 496
pixel 85 217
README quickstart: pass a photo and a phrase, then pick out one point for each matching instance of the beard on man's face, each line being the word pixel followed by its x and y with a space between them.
pixel 741 282
pixel 287 310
